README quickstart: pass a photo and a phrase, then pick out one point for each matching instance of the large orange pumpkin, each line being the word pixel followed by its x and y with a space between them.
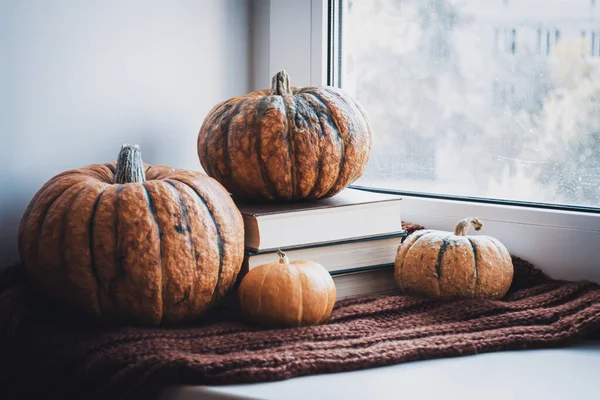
pixel 286 143
pixel 453 264
pixel 285 293
pixel 132 243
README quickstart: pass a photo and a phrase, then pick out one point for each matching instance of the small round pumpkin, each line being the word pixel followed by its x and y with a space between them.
pixel 133 243
pixel 453 265
pixel 284 294
pixel 286 143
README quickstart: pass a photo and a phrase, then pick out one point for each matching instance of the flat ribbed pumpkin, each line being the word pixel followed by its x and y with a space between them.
pixel 286 143
pixel 285 294
pixel 453 265
pixel 132 243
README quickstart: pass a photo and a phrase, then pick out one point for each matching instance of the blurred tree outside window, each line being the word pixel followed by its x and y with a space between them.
pixel 492 99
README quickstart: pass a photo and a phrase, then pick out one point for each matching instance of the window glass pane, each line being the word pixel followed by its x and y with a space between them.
pixel 495 98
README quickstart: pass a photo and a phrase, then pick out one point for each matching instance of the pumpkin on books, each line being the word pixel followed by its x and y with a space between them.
pixel 133 243
pixel 286 294
pixel 286 143
pixel 454 265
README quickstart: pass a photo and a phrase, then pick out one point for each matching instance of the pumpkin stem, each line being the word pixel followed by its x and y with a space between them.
pixel 130 168
pixel 462 227
pixel 280 84
pixel 283 258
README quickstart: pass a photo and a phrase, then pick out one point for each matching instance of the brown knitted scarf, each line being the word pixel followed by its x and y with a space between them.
pixel 46 355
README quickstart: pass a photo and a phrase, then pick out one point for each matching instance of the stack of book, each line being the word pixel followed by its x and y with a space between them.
pixel 354 235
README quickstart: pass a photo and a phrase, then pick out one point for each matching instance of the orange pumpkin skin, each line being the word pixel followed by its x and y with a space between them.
pixel 286 143
pixel 284 294
pixel 163 250
pixel 450 265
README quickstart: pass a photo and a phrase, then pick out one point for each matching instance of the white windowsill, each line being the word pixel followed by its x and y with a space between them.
pixel 549 374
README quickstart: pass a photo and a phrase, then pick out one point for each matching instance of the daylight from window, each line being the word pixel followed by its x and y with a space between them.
pixel 484 98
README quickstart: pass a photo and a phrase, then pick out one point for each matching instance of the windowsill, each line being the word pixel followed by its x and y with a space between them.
pixel 564 244
pixel 563 373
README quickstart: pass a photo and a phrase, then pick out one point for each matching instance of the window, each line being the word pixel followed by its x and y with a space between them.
pixel 590 48
pixel 561 239
pixel 513 42
pixel 452 116
pixel 413 157
pixel 505 40
pixel 546 44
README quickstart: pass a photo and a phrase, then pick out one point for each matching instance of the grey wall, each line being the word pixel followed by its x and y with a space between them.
pixel 79 78
pixel 260 22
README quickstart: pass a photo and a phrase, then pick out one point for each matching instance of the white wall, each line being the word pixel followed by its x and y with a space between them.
pixel 79 78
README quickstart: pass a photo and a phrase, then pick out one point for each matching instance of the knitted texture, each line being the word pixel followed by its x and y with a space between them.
pixel 47 355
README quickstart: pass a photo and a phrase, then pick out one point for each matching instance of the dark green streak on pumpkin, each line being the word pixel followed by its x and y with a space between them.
pixel 318 179
pixel 186 296
pixel 289 130
pixel 187 228
pixel 261 109
pixel 438 266
pixel 317 115
pixel 118 262
pixel 333 123
pixel 187 231
pixel 349 106
pixel 120 259
pixel 38 231
pixel 474 247
pixel 22 227
pixel 162 175
pixel 206 160
pixel 154 216
pixel 353 128
pixel 91 245
pixel 301 130
pixel 160 247
pixel 368 130
pixel 299 115
pixel 218 237
pixel 63 231
pixel 43 220
pixel 111 167
pixel 27 211
pixel 227 117
pixel 325 112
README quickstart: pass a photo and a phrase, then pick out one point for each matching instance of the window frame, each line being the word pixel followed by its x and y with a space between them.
pixel 563 241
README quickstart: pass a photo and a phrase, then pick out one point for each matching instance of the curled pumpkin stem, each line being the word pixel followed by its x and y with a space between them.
pixel 462 227
pixel 283 258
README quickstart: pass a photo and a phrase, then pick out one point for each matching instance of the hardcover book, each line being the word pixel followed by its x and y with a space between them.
pixel 339 257
pixel 351 214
